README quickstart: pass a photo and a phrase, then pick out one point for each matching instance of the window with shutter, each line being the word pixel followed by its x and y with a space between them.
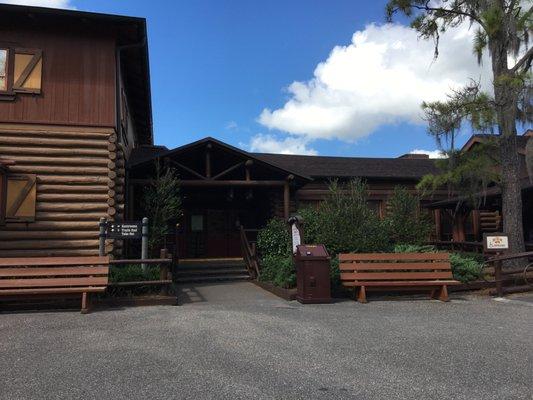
pixel 21 195
pixel 28 68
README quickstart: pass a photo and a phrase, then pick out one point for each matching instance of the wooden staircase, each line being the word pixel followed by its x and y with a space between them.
pixel 211 270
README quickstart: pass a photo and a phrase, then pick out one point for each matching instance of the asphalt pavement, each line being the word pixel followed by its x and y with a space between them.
pixel 236 341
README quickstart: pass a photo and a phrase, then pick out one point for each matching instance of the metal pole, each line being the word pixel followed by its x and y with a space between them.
pixel 144 242
pixel 101 237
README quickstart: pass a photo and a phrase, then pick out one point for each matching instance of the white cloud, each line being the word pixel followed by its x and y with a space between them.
pixel 42 3
pixel 231 125
pixel 380 78
pixel 430 153
pixel 261 143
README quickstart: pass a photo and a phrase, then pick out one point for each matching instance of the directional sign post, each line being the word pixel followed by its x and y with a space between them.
pixel 124 230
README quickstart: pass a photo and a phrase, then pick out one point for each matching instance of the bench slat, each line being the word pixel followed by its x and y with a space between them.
pixel 53 282
pixel 376 276
pixel 53 261
pixel 394 266
pixel 393 256
pixel 402 283
pixel 61 271
pixel 58 290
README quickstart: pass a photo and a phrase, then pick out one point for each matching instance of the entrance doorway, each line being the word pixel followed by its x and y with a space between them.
pixel 211 233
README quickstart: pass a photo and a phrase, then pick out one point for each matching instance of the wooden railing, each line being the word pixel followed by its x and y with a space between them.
pixel 165 272
pixel 474 247
pixel 514 275
pixel 249 252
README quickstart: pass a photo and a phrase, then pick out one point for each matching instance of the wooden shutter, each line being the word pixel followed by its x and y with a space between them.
pixel 2 195
pixel 21 197
pixel 27 71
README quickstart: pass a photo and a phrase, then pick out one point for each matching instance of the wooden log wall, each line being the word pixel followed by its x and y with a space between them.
pixel 80 178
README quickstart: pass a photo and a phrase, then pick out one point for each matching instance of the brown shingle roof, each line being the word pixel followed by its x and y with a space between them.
pixel 348 167
pixel 144 153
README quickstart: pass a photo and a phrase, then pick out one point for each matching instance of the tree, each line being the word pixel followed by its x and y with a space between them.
pixel 404 221
pixel 503 28
pixel 162 205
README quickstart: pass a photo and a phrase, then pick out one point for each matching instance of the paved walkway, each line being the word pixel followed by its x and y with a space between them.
pixel 238 342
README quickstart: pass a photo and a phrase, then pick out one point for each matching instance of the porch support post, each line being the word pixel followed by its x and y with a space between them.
pixel 459 227
pixel 248 164
pixel 208 160
pixel 438 235
pixel 287 197
pixel 475 225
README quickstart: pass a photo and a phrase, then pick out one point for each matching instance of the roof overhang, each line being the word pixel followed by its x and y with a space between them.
pixel 223 147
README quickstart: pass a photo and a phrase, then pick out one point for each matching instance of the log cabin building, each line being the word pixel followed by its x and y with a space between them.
pixel 224 187
pixel 74 103
pixel 76 144
pixel 458 221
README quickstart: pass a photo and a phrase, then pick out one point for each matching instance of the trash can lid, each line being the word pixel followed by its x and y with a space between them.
pixel 311 250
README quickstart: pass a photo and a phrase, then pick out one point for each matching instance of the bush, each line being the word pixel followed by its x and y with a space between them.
pixel 404 222
pixel 311 226
pixel 279 270
pixel 345 224
pixel 413 248
pixel 466 267
pixel 274 240
pixel 131 273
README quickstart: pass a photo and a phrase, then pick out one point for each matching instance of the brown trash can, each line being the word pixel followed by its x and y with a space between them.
pixel 312 274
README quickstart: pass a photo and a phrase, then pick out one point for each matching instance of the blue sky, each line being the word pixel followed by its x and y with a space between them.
pixel 246 73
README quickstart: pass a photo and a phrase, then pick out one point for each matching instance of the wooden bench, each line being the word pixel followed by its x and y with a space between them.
pixel 54 275
pixel 384 271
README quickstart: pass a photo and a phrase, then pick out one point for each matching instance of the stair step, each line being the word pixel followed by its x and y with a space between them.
pixel 210 267
pixel 212 278
pixel 211 271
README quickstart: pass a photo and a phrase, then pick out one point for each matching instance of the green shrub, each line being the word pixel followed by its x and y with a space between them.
pixel 274 240
pixel 311 219
pixel 404 222
pixel 344 223
pixel 335 273
pixel 133 273
pixel 465 268
pixel 413 248
pixel 279 270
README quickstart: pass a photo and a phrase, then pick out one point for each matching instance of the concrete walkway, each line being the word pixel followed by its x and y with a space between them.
pixel 236 341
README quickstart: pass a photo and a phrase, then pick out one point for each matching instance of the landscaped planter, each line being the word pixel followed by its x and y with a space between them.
pixel 286 294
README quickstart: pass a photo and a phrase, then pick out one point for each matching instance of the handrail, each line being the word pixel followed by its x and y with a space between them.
pixel 165 273
pixel 511 256
pixel 249 253
pixel 452 245
pixel 499 273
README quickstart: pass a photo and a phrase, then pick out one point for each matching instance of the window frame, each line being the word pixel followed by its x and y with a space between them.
pixel 10 64
pixel 38 56
pixel 31 178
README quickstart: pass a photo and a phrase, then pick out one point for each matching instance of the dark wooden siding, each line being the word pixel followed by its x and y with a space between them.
pixel 78 81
